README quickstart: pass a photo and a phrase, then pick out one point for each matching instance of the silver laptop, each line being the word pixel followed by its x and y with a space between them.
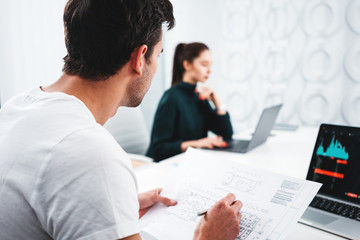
pixel 336 164
pixel 262 132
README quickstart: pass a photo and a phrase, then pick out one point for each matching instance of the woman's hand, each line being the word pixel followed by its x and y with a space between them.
pixel 208 142
pixel 207 93
pixel 148 199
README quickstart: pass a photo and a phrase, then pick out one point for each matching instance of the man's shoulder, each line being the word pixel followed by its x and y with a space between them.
pixel 89 173
pixel 92 142
pixel 87 152
pixel 39 106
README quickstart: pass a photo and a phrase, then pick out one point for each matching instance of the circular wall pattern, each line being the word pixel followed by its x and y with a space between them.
pixel 321 18
pixel 239 24
pixel 279 65
pixel 238 65
pixel 351 107
pixel 316 107
pixel 241 105
pixel 273 99
pixel 320 64
pixel 281 19
pixel 353 16
pixel 277 96
pixel 281 50
pixel 352 63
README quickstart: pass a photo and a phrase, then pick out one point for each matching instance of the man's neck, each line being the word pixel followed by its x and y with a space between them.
pixel 102 98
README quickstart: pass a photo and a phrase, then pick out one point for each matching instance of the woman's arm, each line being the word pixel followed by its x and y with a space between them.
pixel 208 142
pixel 218 120
pixel 163 144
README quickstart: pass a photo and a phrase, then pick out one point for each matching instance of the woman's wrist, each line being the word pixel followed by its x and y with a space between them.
pixel 215 100
pixel 184 145
pixel 192 143
pixel 220 109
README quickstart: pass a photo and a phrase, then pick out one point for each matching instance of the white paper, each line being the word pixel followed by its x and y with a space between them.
pixel 272 203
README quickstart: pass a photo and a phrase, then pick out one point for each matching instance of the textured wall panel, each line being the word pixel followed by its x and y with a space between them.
pixel 352 63
pixel 321 18
pixel 238 64
pixel 353 16
pixel 304 53
pixel 239 25
pixel 320 64
pixel 280 20
pixel 351 106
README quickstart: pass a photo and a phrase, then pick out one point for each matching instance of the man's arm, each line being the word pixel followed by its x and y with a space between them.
pixel 221 222
pixel 148 199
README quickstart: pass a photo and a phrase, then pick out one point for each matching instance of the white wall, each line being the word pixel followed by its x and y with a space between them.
pixel 305 53
pixel 31 44
pixel 32 47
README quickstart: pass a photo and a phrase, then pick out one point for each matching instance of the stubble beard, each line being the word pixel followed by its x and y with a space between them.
pixel 138 88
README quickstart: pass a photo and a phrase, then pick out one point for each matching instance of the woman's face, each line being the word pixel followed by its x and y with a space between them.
pixel 200 68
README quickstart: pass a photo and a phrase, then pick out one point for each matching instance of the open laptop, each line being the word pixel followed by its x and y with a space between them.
pixel 262 132
pixel 336 164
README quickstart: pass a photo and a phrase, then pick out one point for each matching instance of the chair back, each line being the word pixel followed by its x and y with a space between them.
pixel 129 129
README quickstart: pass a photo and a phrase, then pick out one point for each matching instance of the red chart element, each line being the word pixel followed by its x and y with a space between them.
pixel 341 161
pixel 353 195
pixel 329 173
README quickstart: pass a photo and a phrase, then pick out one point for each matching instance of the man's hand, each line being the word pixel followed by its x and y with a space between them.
pixel 148 199
pixel 221 222
pixel 208 142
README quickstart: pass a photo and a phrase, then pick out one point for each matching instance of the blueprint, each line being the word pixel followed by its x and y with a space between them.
pixel 272 203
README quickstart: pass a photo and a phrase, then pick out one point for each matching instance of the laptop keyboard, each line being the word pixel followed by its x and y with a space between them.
pixel 335 207
pixel 238 145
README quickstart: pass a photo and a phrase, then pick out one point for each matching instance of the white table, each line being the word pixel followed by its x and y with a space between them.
pixel 287 152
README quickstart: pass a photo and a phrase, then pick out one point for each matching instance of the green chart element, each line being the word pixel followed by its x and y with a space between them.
pixel 334 150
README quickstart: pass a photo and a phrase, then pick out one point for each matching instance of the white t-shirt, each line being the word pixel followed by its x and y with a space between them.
pixel 62 175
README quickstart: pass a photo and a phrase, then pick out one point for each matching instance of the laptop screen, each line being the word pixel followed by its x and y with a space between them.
pixel 336 162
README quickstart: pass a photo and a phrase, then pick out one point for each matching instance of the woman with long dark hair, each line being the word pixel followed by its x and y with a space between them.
pixel 184 115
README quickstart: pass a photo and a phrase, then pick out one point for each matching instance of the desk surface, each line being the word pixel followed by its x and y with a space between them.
pixel 287 152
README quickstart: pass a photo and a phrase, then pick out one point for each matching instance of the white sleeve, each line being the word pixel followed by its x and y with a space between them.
pixel 86 189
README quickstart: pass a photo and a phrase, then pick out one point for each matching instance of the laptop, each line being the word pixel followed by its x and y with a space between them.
pixel 262 132
pixel 336 164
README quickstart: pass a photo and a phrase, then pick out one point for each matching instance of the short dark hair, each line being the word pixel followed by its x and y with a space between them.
pixel 101 35
pixel 185 52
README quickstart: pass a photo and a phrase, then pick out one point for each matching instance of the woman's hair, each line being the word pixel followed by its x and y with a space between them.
pixel 185 52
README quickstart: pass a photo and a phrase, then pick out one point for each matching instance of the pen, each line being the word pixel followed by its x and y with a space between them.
pixel 205 211
pixel 202 212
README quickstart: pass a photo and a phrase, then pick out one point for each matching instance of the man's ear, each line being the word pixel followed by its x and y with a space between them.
pixel 138 59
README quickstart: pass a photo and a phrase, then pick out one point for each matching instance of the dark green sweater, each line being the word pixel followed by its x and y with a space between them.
pixel 180 117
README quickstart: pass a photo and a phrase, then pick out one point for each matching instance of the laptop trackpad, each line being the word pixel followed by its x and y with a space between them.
pixel 315 216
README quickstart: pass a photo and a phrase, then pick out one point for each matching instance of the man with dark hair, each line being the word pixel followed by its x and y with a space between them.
pixel 62 175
